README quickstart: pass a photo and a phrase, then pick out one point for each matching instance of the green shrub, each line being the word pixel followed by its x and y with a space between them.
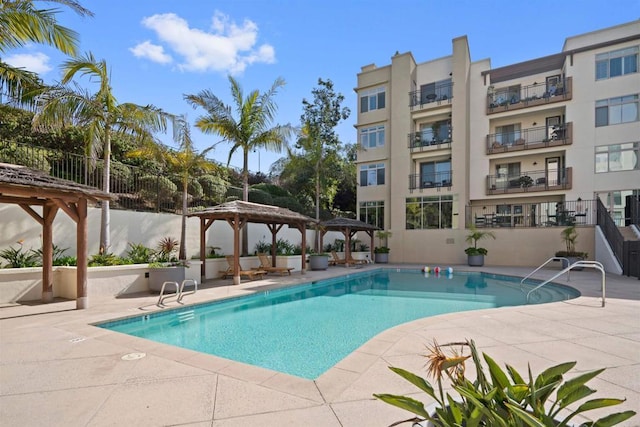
pixel 58 253
pixel 288 202
pixel 214 188
pixel 194 188
pixel 106 259
pixel 66 261
pixel 20 257
pixel 154 188
pixel 139 253
pixel 259 196
pixel 274 190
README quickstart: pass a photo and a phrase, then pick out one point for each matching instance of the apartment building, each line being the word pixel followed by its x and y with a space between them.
pixel 523 149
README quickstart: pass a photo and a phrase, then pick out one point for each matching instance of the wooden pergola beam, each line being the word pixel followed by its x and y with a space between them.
pixel 70 209
pixel 33 214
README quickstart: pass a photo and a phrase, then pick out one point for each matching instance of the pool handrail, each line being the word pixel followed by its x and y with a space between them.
pixel 179 291
pixel 553 258
pixel 577 264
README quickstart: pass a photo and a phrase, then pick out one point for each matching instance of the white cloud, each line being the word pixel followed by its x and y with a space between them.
pixel 151 51
pixel 36 62
pixel 227 47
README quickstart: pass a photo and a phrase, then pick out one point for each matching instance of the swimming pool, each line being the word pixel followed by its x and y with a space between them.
pixel 305 330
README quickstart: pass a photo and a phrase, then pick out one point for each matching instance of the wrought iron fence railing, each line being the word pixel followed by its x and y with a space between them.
pixel 540 214
pixel 133 188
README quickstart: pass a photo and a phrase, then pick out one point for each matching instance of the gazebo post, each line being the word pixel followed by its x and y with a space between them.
pixel 370 233
pixel 236 249
pixel 303 265
pixel 49 213
pixel 347 246
pixel 81 243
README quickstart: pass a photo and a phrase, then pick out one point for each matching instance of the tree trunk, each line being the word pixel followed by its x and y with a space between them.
pixel 245 197
pixel 106 177
pixel 183 232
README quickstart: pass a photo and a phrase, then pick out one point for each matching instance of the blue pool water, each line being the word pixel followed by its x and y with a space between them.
pixel 305 330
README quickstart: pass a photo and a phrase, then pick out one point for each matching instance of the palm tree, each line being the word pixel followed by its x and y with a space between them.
pixel 21 23
pixel 98 116
pixel 248 130
pixel 184 162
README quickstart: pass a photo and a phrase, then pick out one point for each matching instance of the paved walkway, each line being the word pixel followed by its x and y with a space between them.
pixel 57 370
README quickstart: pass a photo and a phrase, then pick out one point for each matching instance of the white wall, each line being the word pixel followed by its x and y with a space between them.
pixel 133 227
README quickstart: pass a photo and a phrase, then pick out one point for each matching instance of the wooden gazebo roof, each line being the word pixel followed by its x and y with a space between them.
pixel 238 213
pixel 254 212
pixel 349 227
pixel 27 187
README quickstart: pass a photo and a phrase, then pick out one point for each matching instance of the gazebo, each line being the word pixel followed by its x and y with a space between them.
pixel 27 187
pixel 349 227
pixel 238 213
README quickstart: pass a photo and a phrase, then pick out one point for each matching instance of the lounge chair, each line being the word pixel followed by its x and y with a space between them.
pixel 336 260
pixel 251 274
pixel 265 265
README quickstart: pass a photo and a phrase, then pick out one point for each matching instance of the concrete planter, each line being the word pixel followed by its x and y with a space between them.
pixel 157 276
pixel 318 262
pixel 475 260
pixel 382 258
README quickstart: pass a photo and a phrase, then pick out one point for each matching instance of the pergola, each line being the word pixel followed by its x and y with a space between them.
pixel 26 187
pixel 238 213
pixel 349 227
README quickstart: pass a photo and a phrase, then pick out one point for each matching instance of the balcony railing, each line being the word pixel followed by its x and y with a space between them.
pixel 421 140
pixel 540 214
pixel 531 138
pixel 430 180
pixel 530 181
pixel 441 94
pixel 506 99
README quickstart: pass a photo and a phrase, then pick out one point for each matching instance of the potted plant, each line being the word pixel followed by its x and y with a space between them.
pixel 570 237
pixel 165 267
pixel 475 255
pixel 499 398
pixel 318 261
pixel 382 252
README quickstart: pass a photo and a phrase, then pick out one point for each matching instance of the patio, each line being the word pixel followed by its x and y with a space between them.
pixel 57 370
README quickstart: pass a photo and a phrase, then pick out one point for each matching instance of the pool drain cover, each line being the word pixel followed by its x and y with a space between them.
pixel 133 356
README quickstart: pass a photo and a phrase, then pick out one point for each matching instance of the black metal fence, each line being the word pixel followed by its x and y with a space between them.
pixel 611 232
pixel 134 188
pixel 540 214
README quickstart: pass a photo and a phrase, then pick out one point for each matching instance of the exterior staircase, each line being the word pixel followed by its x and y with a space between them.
pixel 628 233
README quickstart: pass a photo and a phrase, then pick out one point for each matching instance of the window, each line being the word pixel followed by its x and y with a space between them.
pixel 429 212
pixel 372 99
pixel 507 135
pixel 372 174
pixel 436 91
pixel 435 133
pixel 508 175
pixel 613 111
pixel 508 95
pixel 617 63
pixel 372 213
pixel 435 174
pixel 618 157
pixel 372 137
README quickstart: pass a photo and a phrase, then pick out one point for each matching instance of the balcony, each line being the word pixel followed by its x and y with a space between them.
pixel 419 141
pixel 530 139
pixel 432 180
pixel 541 214
pixel 518 97
pixel 442 94
pixel 529 182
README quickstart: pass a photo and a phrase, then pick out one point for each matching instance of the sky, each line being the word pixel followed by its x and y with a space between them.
pixel 160 50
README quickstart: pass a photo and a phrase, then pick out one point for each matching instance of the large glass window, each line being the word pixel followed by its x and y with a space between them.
pixel 372 137
pixel 372 174
pixel 435 133
pixel 372 213
pixel 435 174
pixel 612 111
pixel 372 99
pixel 617 63
pixel 429 212
pixel 436 91
pixel 617 157
pixel 507 135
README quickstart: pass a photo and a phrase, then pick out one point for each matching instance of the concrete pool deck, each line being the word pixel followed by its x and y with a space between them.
pixel 58 370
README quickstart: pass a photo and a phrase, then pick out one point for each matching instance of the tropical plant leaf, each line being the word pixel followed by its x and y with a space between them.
pixel 414 379
pixel 525 416
pixel 498 376
pixel 406 403
pixel 574 383
pixel 579 393
pixel 515 375
pixel 613 419
pixel 552 372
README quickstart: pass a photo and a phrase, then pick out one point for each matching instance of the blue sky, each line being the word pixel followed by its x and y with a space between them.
pixel 159 50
